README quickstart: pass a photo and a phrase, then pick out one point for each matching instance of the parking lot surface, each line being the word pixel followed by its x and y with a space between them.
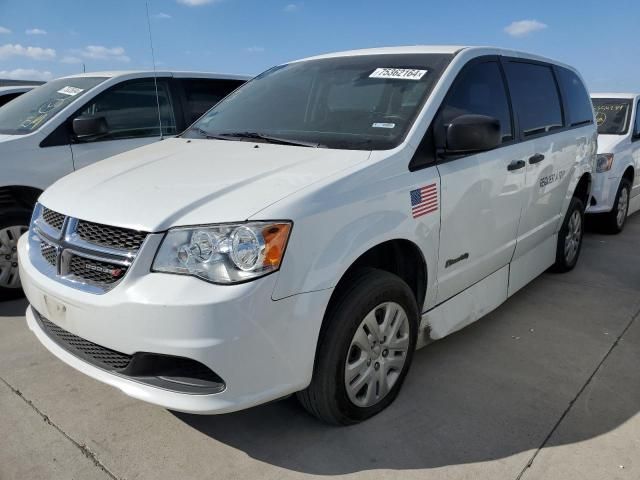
pixel 545 387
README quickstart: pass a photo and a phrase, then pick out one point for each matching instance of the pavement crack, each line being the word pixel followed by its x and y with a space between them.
pixel 528 465
pixel 84 449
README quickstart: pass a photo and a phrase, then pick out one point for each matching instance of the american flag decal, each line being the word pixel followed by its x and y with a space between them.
pixel 424 200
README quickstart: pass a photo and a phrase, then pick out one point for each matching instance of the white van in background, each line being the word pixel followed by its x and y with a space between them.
pixel 71 122
pixel 313 228
pixel 616 183
pixel 8 93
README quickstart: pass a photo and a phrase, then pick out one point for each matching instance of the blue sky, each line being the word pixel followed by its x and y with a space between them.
pixel 47 38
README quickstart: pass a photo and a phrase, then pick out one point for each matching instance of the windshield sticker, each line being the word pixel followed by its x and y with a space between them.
pixel 71 91
pixel 398 73
pixel 384 125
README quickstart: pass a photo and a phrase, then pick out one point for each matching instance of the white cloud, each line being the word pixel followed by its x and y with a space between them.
pixel 26 74
pixel 34 53
pixel 35 31
pixel 197 3
pixel 162 16
pixel 292 7
pixel 99 52
pixel 4 30
pixel 255 49
pixel 70 59
pixel 524 27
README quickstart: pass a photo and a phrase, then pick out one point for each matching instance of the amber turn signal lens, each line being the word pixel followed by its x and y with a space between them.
pixel 275 240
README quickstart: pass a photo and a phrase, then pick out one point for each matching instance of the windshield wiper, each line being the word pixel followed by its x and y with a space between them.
pixel 207 135
pixel 270 139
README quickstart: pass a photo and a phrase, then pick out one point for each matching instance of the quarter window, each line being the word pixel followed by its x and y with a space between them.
pixel 535 97
pixel 636 130
pixel 479 90
pixel 131 110
pixel 580 110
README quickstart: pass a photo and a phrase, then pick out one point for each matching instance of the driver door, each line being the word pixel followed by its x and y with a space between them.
pixel 481 192
pixel 130 110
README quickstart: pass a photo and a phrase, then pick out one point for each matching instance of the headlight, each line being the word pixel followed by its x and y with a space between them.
pixel 604 161
pixel 224 253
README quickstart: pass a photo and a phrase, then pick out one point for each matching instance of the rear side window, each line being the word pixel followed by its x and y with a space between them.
pixel 579 109
pixel 535 97
pixel 201 94
pixel 478 90
pixel 8 97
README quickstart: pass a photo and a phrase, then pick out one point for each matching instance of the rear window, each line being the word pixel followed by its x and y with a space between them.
pixel 579 109
pixel 613 115
pixel 535 97
pixel 201 94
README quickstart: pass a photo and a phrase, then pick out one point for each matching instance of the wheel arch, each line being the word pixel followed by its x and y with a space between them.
pixel 18 197
pixel 629 174
pixel 583 188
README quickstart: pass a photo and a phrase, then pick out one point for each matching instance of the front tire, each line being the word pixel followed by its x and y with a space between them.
pixel 570 237
pixel 615 220
pixel 12 225
pixel 365 349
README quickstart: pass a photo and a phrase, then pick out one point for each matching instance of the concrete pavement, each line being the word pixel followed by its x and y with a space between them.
pixel 546 387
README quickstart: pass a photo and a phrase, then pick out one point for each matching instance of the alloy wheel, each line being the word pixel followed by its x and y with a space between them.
pixel 9 236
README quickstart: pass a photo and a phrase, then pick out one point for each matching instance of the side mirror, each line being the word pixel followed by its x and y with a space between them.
pixel 473 133
pixel 90 126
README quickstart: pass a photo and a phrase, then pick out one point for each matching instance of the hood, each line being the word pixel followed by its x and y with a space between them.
pixel 8 138
pixel 609 143
pixel 179 182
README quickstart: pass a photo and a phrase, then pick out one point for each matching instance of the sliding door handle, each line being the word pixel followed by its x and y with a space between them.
pixel 537 158
pixel 516 165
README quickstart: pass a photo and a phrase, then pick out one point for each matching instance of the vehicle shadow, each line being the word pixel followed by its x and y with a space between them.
pixel 490 391
pixel 13 308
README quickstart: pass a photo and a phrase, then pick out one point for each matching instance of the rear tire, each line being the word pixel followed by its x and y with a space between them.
pixel 365 349
pixel 570 237
pixel 614 221
pixel 12 225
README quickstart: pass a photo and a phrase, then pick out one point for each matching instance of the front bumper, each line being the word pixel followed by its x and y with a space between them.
pixel 262 349
pixel 603 190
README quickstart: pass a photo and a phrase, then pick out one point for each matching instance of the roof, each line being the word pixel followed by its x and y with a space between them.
pixel 615 95
pixel 442 49
pixel 160 73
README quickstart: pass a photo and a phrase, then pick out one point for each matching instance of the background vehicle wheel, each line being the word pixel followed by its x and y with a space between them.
pixel 365 349
pixel 570 237
pixel 614 221
pixel 12 225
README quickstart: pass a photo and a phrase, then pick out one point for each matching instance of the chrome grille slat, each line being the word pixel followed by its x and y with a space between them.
pixel 86 255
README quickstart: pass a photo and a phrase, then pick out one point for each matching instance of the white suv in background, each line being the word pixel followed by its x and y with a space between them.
pixel 616 183
pixel 74 121
pixel 313 228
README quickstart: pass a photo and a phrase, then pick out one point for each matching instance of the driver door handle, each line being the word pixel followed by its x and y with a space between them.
pixel 537 158
pixel 516 165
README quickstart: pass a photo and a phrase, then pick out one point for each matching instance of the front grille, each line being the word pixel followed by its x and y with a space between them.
pixel 95 354
pixel 53 219
pixel 94 271
pixel 107 236
pixel 48 253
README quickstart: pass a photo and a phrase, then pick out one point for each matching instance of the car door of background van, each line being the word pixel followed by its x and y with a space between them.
pixel 131 113
pixel 552 129
pixel 480 193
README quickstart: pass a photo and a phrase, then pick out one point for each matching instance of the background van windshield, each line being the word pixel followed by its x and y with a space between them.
pixel 360 102
pixel 612 115
pixel 32 110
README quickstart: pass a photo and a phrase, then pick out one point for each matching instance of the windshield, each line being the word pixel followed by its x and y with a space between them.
pixel 32 110
pixel 358 102
pixel 612 115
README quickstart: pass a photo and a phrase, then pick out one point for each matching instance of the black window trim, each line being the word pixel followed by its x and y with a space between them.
pixel 636 123
pixel 63 134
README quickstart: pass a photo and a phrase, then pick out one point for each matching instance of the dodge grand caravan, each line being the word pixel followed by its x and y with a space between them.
pixel 314 228
pixel 616 187
pixel 74 121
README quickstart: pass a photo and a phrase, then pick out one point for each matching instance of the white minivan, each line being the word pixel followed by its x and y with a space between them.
pixel 74 121
pixel 616 187
pixel 316 226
